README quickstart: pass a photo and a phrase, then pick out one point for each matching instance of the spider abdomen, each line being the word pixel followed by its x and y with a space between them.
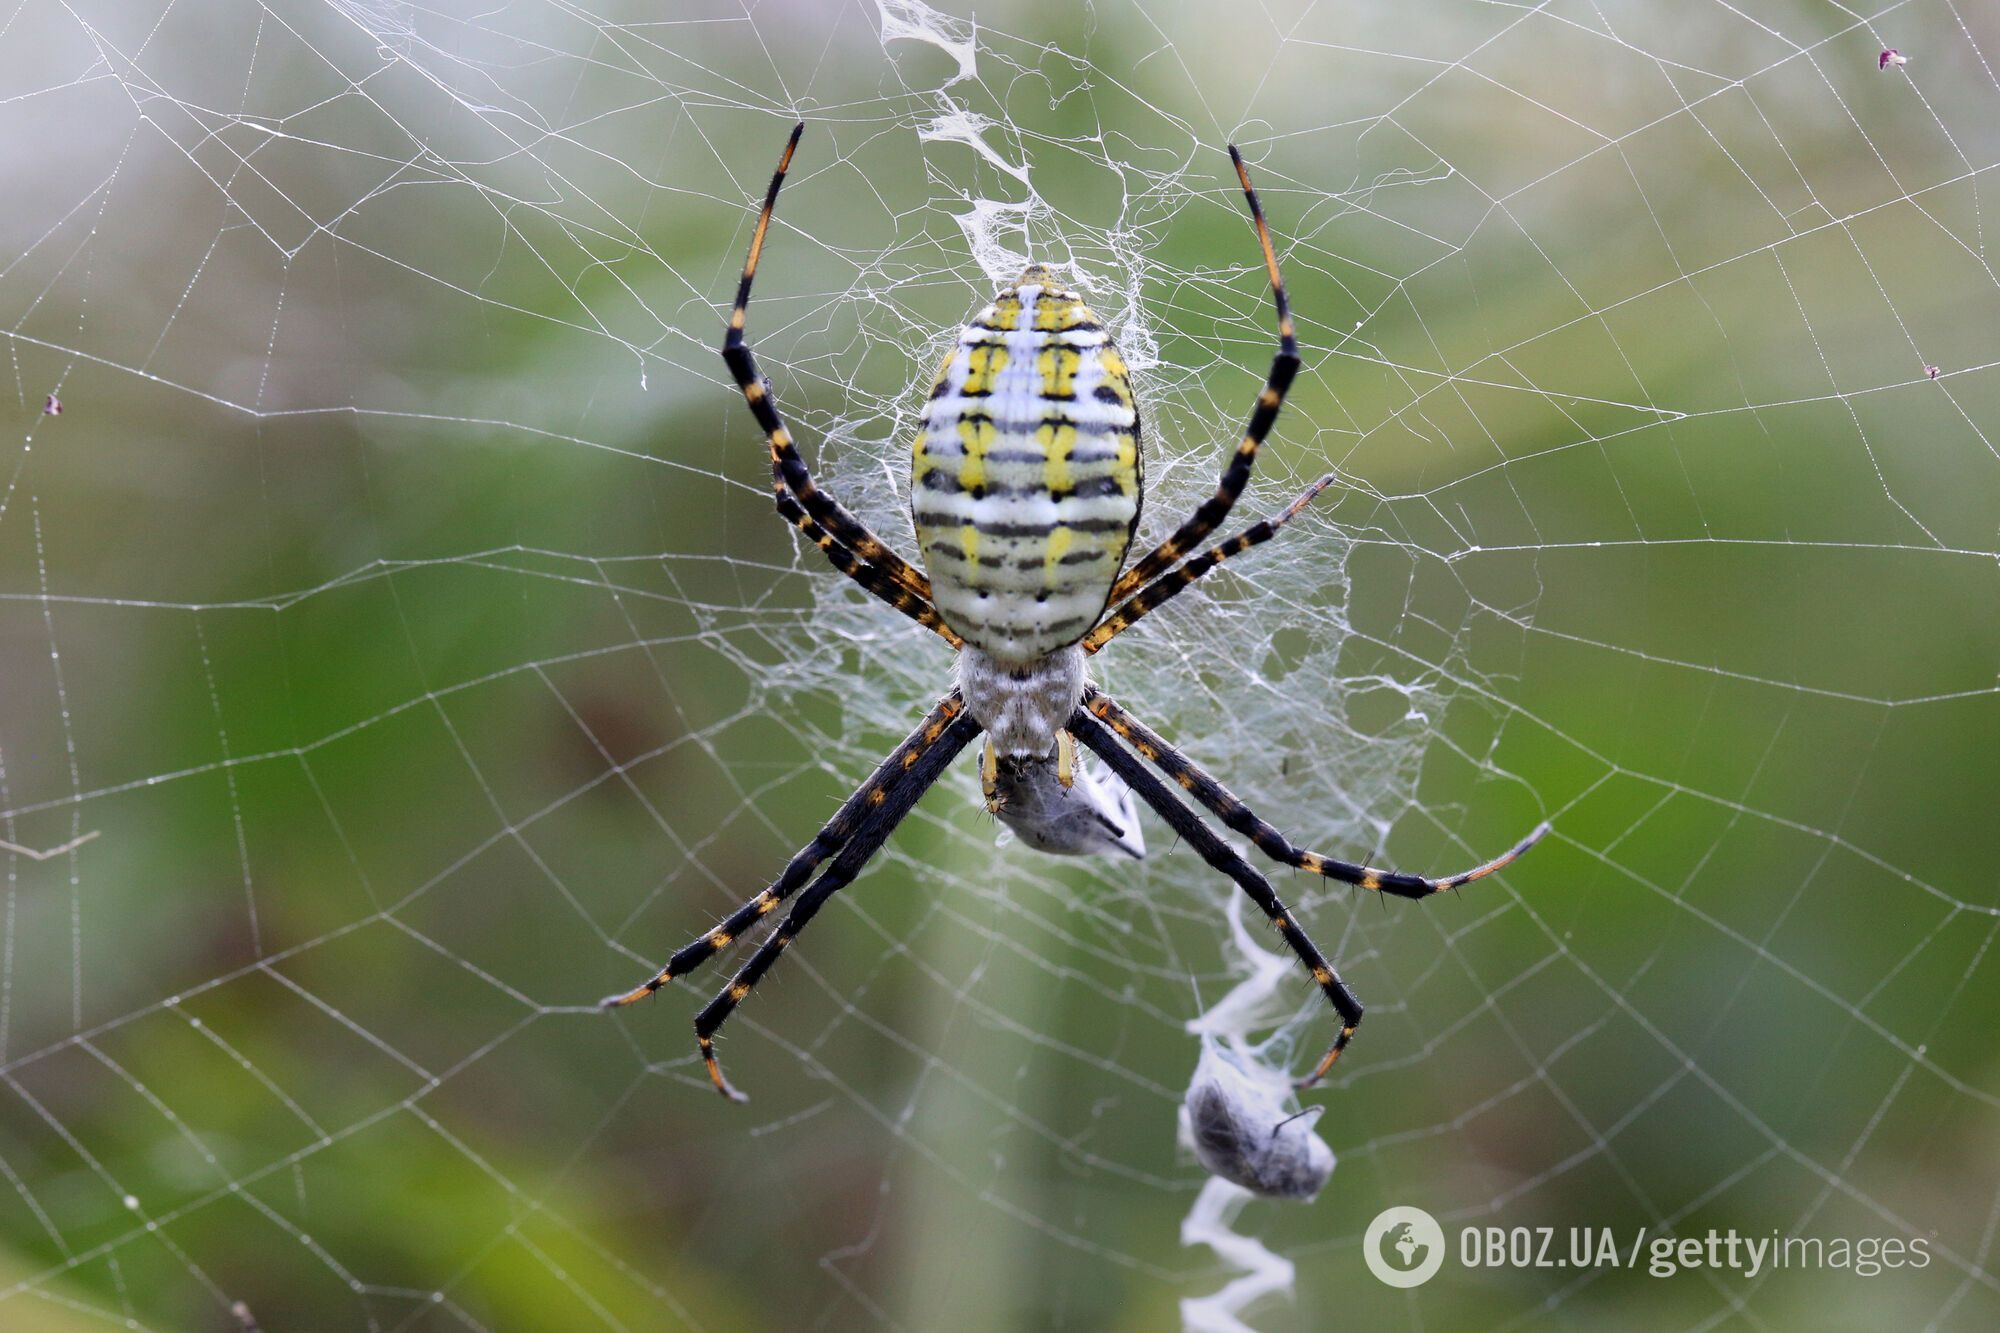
pixel 1026 481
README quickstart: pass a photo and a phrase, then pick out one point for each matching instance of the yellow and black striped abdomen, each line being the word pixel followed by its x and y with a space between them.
pixel 1027 477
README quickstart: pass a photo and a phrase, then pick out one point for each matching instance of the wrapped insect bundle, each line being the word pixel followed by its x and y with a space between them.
pixel 1242 1122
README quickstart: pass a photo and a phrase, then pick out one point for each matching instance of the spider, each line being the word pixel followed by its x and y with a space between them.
pixel 1025 492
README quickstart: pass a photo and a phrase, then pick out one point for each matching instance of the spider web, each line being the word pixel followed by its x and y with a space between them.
pixel 397 653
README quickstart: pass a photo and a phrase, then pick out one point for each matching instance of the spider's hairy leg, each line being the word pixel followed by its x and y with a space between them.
pixel 878 820
pixel 1221 856
pixel 893 771
pixel 1284 366
pixel 863 573
pixel 1225 805
pixel 1164 589
pixel 789 475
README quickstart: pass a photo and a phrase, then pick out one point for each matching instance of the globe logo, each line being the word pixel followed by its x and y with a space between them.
pixel 1404 1246
pixel 1406 1243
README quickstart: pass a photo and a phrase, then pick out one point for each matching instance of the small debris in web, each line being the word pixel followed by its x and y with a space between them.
pixel 1242 1120
pixel 1891 56
pixel 34 854
pixel 1931 371
pixel 53 407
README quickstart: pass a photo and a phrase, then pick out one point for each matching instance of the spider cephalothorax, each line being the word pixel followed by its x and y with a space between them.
pixel 1025 489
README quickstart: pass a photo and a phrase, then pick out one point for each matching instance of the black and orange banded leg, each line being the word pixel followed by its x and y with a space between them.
pixel 878 819
pixel 1225 805
pixel 867 575
pixel 788 469
pixel 1168 586
pixel 1194 830
pixel 899 768
pixel 1237 474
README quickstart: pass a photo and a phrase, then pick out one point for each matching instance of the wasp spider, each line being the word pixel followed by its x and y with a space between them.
pixel 1025 491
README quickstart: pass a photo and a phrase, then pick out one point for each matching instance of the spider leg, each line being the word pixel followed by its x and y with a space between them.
pixel 845 824
pixel 1221 856
pixel 863 573
pixel 883 810
pixel 1168 586
pixel 1236 475
pixel 1232 812
pixel 789 474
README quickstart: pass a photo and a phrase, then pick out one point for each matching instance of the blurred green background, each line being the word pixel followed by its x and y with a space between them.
pixel 396 602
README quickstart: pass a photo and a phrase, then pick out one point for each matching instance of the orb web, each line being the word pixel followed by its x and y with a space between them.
pixel 397 652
